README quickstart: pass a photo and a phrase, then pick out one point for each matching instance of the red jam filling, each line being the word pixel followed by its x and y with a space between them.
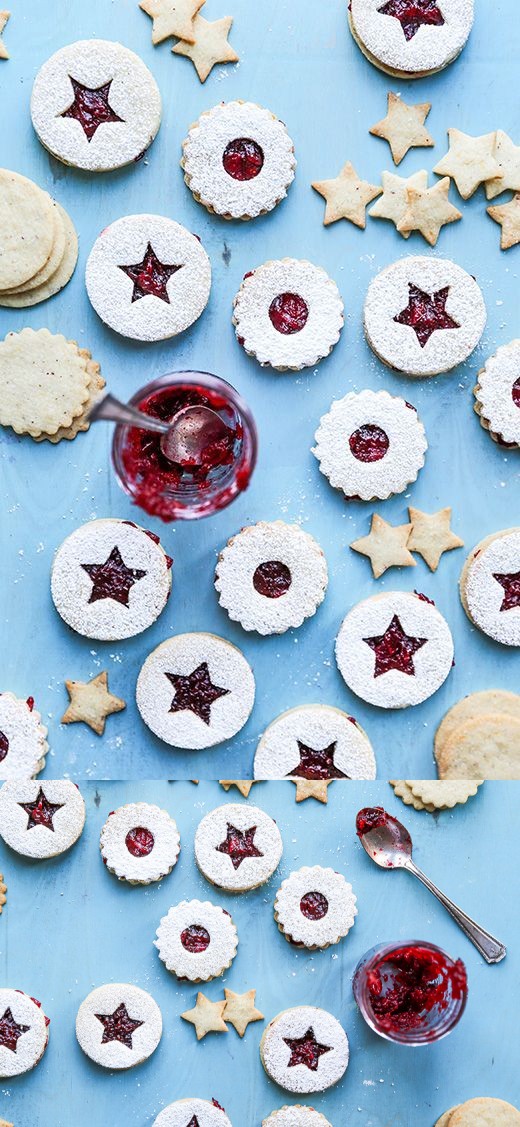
pixel 139 841
pixel 195 939
pixel 30 703
pixel 424 598
pixel 288 313
pixel 112 579
pixel 216 1104
pixel 193 1122
pixel 394 649
pixel 370 818
pixel 4 746
pixel 238 845
pixel 515 392
pixel 426 313
pixel 195 692
pixel 413 14
pixel 118 1026
pixel 243 159
pixel 511 585
pixel 150 276
pixel 316 764
pixel 10 1031
pixel 272 579
pixel 306 1050
pixel 91 107
pixel 314 905
pixel 406 985
pixel 41 812
pixel 369 443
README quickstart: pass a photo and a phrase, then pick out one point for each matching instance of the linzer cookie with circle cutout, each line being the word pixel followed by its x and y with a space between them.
pixel 288 314
pixel 41 819
pixel 423 316
pixel 490 586
pixel 110 579
pixel 315 907
pixel 394 650
pixel 296 1116
pixel 370 445
pixel 238 160
pixel 195 690
pixel 24 1032
pixel 411 38
pixel 271 576
pixel 193 1113
pixel 118 1025
pixel 139 843
pixel 315 742
pixel 497 395
pixel 197 940
pixel 95 105
pixel 238 847
pixel 23 743
pixel 304 1049
pixel 147 277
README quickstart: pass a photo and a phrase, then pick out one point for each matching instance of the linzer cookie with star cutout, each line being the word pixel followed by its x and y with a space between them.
pixel 315 907
pixel 118 1025
pixel 95 105
pixel 195 690
pixel 238 847
pixel 41 820
pixel 423 316
pixel 296 1116
pixel 490 586
pixel 139 843
pixel 271 576
pixel 411 38
pixel 192 1113
pixel 370 445
pixel 197 940
pixel 288 314
pixel 24 1032
pixel 305 1050
pixel 110 579
pixel 238 160
pixel 315 742
pixel 394 650
pixel 147 277
pixel 497 395
pixel 23 743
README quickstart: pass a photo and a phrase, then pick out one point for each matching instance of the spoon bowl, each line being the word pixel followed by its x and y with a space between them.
pixel 388 844
pixel 184 439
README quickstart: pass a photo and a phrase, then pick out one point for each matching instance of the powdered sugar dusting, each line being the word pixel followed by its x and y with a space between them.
pixel 296 1116
pixel 38 841
pixel 341 907
pixel 166 845
pixel 494 393
pixel 140 1006
pixel 485 595
pixel 294 1024
pixel 316 726
pixel 198 966
pixel 31 1045
pixel 27 746
pixel 430 49
pixel 217 866
pixel 182 1112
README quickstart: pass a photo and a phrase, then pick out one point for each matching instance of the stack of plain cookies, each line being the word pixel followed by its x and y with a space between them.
pixel 38 243
pixel 479 738
pixel 481 1112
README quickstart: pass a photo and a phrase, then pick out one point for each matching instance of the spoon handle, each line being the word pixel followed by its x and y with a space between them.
pixel 111 408
pixel 491 949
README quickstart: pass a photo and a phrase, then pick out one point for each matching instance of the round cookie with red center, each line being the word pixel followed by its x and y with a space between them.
pixel 394 650
pixel 424 316
pixel 497 395
pixel 95 105
pixel 147 277
pixel 23 743
pixel 238 847
pixel 41 820
pixel 370 445
pixel 197 940
pixel 288 314
pixel 411 38
pixel 24 1032
pixel 238 160
pixel 315 907
pixel 195 690
pixel 490 586
pixel 110 579
pixel 118 1025
pixel 296 1116
pixel 304 1050
pixel 271 577
pixel 314 741
pixel 139 843
pixel 191 1112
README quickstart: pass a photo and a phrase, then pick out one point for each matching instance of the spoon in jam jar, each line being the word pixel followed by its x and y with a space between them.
pixel 389 844
pixel 184 439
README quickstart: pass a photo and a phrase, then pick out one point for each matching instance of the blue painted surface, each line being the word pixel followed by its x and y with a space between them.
pixel 299 60
pixel 69 926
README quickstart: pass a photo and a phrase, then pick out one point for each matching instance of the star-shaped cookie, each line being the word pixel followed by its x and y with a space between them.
pixel 91 703
pixel 243 785
pixel 240 1010
pixel 508 216
pixel 210 46
pixel 431 535
pixel 309 788
pixel 393 204
pixel 385 546
pixel 428 211
pixel 508 156
pixel 403 127
pixel 470 161
pixel 206 1016
pixel 346 196
pixel 4 16
pixel 172 18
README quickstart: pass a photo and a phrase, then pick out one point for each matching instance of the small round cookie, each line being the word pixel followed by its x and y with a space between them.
pixel 288 314
pixel 197 940
pixel 497 395
pixel 370 445
pixel 315 907
pixel 195 690
pixel 110 579
pixel 238 160
pixel 44 380
pixel 238 847
pixel 423 315
pixel 296 1116
pixel 484 1111
pixel 24 1032
pixel 304 1049
pixel 23 744
pixel 139 843
pixel 26 229
pixel 485 748
pixel 147 277
pixel 472 706
pixel 41 820
pixel 95 105
pixel 314 741
pixel 118 1025
pixel 411 38
pixel 490 586
pixel 46 284
pixel 271 576
pixel 394 650
pixel 190 1112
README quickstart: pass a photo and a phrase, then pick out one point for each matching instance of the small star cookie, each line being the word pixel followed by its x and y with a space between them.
pixel 172 18
pixel 431 535
pixel 428 211
pixel 243 785
pixel 385 546
pixel 508 216
pixel 346 196
pixel 3 898
pixel 470 161
pixel 91 703
pixel 240 1010
pixel 307 788
pixel 206 1016
pixel 508 156
pixel 393 204
pixel 210 45
pixel 403 127
pixel 4 16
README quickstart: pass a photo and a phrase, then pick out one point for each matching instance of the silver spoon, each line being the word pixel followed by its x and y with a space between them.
pixel 390 846
pixel 184 439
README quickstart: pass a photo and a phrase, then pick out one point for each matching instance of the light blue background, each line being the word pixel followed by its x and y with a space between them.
pixel 69 926
pixel 299 59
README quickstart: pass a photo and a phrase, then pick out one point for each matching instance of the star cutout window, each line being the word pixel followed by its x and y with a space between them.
pixel 395 649
pixel 4 746
pixel 112 579
pixel 426 313
pixel 91 107
pixel 195 692
pixel 150 276
pixel 193 1122
pixel 118 1026
pixel 10 1031
pixel 239 844
pixel 41 812
pixel 510 581
pixel 316 764
pixel 413 14
pixel 306 1050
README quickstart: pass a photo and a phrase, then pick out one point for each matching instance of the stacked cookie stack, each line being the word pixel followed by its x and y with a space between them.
pixel 38 243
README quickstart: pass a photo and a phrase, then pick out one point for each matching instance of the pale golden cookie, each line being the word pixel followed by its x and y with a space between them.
pixel 62 274
pixel 385 546
pixel 445 1118
pixel 442 794
pixel 172 18
pixel 403 127
pixel 44 382
pixel 485 748
pixel 470 161
pixel 26 229
pixel 508 157
pixel 393 204
pixel 346 196
pixel 428 211
pixel 54 259
pixel 82 422
pixel 243 785
pixel 91 703
pixel 240 1010
pixel 485 1112
pixel 470 708
pixel 210 45
pixel 508 216
pixel 307 788
pixel 403 791
pixel 431 535
pixel 206 1016
pixel 4 54
pixel 3 898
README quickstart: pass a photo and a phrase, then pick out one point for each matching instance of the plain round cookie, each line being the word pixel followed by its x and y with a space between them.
pixel 238 847
pixel 484 1111
pixel 315 741
pixel 471 707
pixel 485 748
pixel 139 843
pixel 26 229
pixel 118 1025
pixel 23 743
pixel 206 1114
pixel 128 97
pixel 31 1036
pixel 441 794
pixel 413 53
pixel 54 259
pixel 296 1116
pixel 297 1025
pixel 490 586
pixel 444 1120
pixel 196 940
pixel 315 907
pixel 41 819
pixel 33 294
pixel 44 382
pixel 497 395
